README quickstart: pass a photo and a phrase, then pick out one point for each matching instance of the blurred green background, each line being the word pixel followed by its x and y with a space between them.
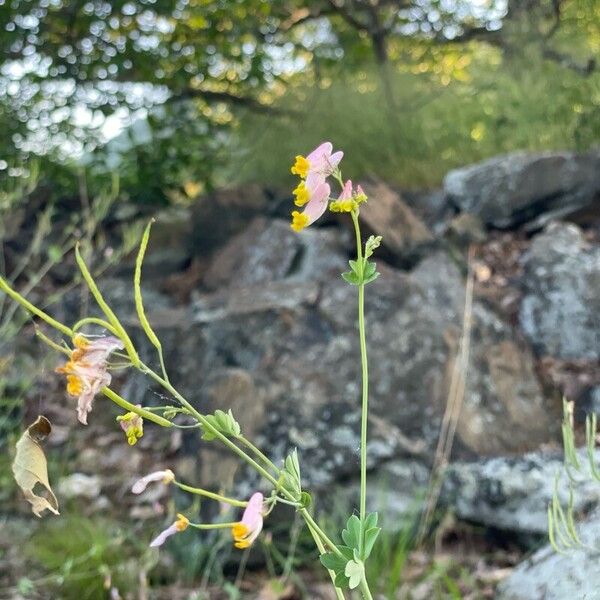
pixel 228 91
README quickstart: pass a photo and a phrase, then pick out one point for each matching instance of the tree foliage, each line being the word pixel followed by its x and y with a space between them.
pixel 68 65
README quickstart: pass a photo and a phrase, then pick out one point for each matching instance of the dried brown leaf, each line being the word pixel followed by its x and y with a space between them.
pixel 30 467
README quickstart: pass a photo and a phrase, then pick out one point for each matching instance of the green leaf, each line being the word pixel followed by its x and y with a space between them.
pixel 341 581
pixel 291 474
pixel 224 423
pixel 371 278
pixel 370 268
pixel 333 561
pixel 372 244
pixel 305 499
pixel 370 537
pixel 354 571
pixel 351 278
pixel 370 520
pixel 351 535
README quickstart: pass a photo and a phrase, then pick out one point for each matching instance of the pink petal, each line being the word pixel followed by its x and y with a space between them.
pixel 335 158
pixel 317 204
pixel 320 152
pixel 161 538
pixel 347 191
pixel 314 180
pixel 140 485
pixel 252 517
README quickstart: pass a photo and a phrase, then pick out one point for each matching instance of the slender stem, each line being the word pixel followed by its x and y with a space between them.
pixel 365 373
pixel 212 525
pixel 258 452
pixel 338 593
pixel 34 309
pixel 112 395
pixel 364 588
pixel 95 321
pixel 313 525
pixel 208 426
pixel 209 494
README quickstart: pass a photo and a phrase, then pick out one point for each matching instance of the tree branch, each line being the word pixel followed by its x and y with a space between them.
pixel 233 99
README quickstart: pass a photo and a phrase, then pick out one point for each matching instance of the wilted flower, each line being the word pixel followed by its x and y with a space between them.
pixel 87 370
pixel 167 476
pixel 180 525
pixel 133 426
pixel 247 530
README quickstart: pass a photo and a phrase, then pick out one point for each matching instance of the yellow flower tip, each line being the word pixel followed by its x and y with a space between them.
pixel 80 342
pixel 300 167
pixel 340 206
pixel 74 385
pixel 302 195
pixel 169 477
pixel 242 545
pixel 132 440
pixel 182 522
pixel 239 530
pixel 299 221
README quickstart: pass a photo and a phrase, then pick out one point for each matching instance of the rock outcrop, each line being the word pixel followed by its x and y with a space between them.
pixel 512 189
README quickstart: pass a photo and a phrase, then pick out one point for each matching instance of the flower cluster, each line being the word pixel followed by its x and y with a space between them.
pixel 87 370
pixel 313 192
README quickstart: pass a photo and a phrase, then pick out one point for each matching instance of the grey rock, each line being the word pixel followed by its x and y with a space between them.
pixel 79 485
pixel 560 310
pixel 388 215
pixel 548 575
pixel 295 339
pixel 513 493
pixel 514 188
pixel 268 250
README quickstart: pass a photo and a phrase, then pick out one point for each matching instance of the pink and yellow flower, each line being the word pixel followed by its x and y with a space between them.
pixel 167 476
pixel 180 525
pixel 246 531
pixel 133 426
pixel 313 190
pixel 321 162
pixel 87 370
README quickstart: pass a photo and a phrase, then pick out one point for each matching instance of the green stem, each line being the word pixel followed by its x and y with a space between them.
pixel 235 449
pixel 212 525
pixel 211 495
pixel 95 321
pixel 338 593
pixel 135 409
pixel 258 452
pixel 207 424
pixel 34 309
pixel 365 373
pixel 364 588
pixel 313 525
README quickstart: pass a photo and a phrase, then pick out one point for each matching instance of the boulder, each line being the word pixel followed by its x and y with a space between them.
pixel 513 493
pixel 387 214
pixel 515 188
pixel 294 339
pixel 268 250
pixel 561 294
pixel 548 575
